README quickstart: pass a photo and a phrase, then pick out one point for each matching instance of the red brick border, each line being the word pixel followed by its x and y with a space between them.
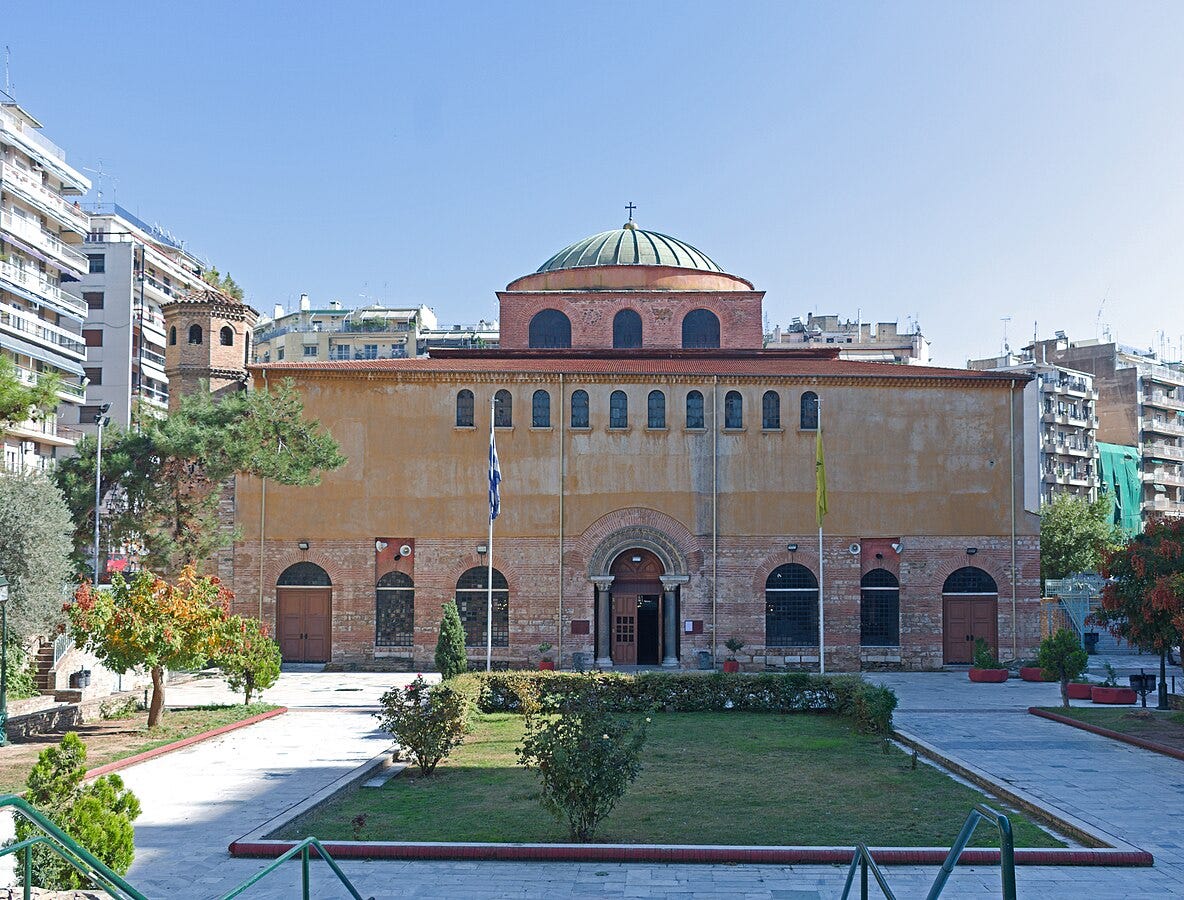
pixel 183 743
pixel 1106 732
pixel 891 856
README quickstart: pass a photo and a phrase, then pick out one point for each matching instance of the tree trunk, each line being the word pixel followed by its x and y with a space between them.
pixel 156 707
pixel 1065 692
pixel 250 687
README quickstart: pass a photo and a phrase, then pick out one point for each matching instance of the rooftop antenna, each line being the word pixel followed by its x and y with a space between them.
pixel 8 70
pixel 1098 324
pixel 1005 320
pixel 102 175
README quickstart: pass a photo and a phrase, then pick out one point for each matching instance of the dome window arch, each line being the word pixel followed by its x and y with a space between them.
pixel 579 409
pixel 771 411
pixel 549 330
pixel 733 410
pixel 618 410
pixel 626 330
pixel 700 330
pixel 694 410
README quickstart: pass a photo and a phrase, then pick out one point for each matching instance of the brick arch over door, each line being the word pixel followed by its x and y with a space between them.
pixel 332 565
pixel 960 561
pixel 647 529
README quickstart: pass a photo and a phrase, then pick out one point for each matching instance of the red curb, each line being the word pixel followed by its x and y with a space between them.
pixel 1142 743
pixel 182 744
pixel 891 856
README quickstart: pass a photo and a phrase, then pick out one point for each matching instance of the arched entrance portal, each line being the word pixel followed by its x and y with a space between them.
pixel 303 613
pixel 641 625
pixel 970 610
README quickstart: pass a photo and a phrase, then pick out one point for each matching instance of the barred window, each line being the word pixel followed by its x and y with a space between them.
pixel 771 410
pixel 503 410
pixel 694 410
pixel 618 410
pixel 700 330
pixel 657 410
pixel 304 574
pixel 791 607
pixel 394 611
pixel 733 410
pixel 879 609
pixel 464 409
pixel 579 409
pixel 540 410
pixel 809 416
pixel 626 330
pixel 471 600
pixel 550 329
pixel 970 580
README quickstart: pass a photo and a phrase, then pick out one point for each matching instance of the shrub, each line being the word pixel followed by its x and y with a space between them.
pixel 249 659
pixel 98 815
pixel 450 646
pixel 428 723
pixel 1063 658
pixel 734 645
pixel 586 758
pixel 984 657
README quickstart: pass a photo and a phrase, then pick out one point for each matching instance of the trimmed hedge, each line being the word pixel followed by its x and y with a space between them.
pixel 868 706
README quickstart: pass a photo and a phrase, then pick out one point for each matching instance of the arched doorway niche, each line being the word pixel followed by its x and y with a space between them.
pixel 304 613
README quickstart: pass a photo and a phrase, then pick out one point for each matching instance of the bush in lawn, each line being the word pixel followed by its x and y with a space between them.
pixel 450 646
pixel 428 722
pixel 586 758
pixel 1063 658
pixel 249 659
pixel 98 815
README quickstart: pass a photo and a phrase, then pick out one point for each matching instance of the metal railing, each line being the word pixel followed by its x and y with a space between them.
pixel 303 850
pixel 61 646
pixel 863 862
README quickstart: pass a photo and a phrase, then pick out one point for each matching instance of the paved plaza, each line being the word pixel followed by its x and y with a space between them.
pixel 198 800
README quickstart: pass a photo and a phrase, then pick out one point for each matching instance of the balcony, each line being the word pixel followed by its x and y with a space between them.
pixel 167 291
pixel 68 389
pixel 1163 451
pixel 1164 505
pixel 1164 399
pixel 1069 476
pixel 31 189
pixel 1171 476
pixel 151 320
pixel 1159 425
pixel 1076 386
pixel 32 232
pixel 49 431
pixel 151 395
pixel 43 291
pixel 1086 451
pixel 24 324
pixel 1079 419
pixel 153 359
pixel 362 326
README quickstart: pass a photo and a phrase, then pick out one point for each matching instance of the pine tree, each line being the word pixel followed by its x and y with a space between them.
pixel 450 646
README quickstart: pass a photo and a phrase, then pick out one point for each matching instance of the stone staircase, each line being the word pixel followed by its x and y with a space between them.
pixel 46 678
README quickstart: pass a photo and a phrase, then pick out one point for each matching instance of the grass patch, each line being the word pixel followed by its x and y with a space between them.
pixel 708 778
pixel 1161 726
pixel 108 740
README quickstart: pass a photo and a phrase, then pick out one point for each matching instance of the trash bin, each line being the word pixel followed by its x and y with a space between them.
pixel 1091 642
pixel 579 661
pixel 705 662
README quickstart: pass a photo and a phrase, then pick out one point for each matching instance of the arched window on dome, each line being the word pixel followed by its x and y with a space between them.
pixel 550 330
pixel 626 330
pixel 579 409
pixel 195 334
pixel 700 330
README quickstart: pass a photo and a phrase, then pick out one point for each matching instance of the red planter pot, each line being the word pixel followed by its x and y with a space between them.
pixel 1120 695
pixel 988 676
pixel 1080 691
pixel 546 665
pixel 731 665
pixel 1033 673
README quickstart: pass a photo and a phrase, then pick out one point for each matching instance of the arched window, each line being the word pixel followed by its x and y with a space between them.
pixel 694 410
pixel 700 330
pixel 579 409
pixel 879 609
pixel 626 330
pixel 791 607
pixel 618 410
pixel 733 410
pixel 173 336
pixel 540 410
pixel 471 600
pixel 394 611
pixel 550 329
pixel 657 410
pixel 771 410
pixel 503 410
pixel 464 409
pixel 195 334
pixel 226 336
pixel 970 580
pixel 809 417
pixel 304 574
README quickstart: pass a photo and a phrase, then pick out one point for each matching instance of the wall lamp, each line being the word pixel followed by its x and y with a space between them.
pixel 482 549
pixel 970 551
pixel 379 546
pixel 792 548
pixel 303 545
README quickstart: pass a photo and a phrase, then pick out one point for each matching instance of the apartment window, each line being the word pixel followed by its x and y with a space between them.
pixel 503 410
pixel 226 338
pixel 464 409
pixel 733 410
pixel 92 337
pixel 618 410
pixel 311 350
pixel 96 263
pixel 791 607
pixel 879 609
pixel 471 601
pixel 579 409
pixel 94 299
pixel 279 354
pixel 809 413
pixel 540 410
pixel 694 410
pixel 394 611
pixel 656 410
pixel 369 351
pixel 771 410
pixel 195 334
pixel 94 376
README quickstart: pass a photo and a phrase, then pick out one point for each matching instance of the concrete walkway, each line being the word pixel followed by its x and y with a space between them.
pixel 198 800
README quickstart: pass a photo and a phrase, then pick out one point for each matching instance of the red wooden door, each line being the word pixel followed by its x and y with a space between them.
pixel 965 619
pixel 304 623
pixel 624 629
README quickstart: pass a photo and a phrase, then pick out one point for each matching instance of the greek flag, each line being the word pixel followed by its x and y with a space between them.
pixel 495 480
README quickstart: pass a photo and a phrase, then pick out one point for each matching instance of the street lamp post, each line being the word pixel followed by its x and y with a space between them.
pixel 3 661
pixel 101 419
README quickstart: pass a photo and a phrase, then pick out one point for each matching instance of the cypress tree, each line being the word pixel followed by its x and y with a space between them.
pixel 450 646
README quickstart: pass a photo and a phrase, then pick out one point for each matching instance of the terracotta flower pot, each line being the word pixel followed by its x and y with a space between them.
pixel 731 665
pixel 1100 694
pixel 1080 691
pixel 547 665
pixel 988 676
pixel 1033 673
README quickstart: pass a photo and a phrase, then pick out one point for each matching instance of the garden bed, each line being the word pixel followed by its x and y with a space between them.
pixel 1161 731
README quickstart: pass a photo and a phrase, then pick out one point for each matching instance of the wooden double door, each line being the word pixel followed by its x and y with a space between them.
pixel 967 617
pixel 304 623
pixel 637 626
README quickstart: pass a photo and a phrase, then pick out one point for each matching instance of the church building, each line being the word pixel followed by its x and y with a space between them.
pixel 658 494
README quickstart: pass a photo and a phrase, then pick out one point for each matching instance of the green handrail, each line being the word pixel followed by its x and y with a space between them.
pixel 863 861
pixel 303 849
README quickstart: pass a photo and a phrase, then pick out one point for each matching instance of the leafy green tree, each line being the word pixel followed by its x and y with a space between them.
pixel 1075 536
pixel 428 722
pixel 450 645
pixel 149 623
pixel 98 815
pixel 35 543
pixel 20 401
pixel 224 283
pixel 249 659
pixel 1062 658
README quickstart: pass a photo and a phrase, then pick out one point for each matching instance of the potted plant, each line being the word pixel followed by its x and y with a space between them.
pixel 1030 670
pixel 734 645
pixel 986 667
pixel 1109 692
pixel 1062 658
pixel 546 663
pixel 1079 689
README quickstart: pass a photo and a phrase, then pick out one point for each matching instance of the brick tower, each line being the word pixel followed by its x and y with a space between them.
pixel 209 340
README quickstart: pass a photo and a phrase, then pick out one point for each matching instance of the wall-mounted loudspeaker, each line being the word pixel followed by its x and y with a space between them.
pixel 405 550
pixel 854 549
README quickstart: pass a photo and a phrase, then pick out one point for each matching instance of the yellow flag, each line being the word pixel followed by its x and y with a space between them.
pixel 820 474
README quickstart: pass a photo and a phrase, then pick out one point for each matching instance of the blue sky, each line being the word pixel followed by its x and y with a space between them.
pixel 954 162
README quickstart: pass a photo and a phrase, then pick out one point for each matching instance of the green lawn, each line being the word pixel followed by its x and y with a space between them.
pixel 708 778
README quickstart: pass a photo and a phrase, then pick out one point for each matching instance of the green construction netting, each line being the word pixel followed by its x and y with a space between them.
pixel 1119 466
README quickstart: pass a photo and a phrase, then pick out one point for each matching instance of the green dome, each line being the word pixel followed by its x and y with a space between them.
pixel 630 246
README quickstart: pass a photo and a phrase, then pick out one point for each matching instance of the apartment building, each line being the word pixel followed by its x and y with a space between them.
pixel 855 339
pixel 133 268
pixel 337 333
pixel 1061 427
pixel 482 335
pixel 42 229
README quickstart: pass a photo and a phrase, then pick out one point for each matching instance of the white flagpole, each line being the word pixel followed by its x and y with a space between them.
pixel 489 573
pixel 821 580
